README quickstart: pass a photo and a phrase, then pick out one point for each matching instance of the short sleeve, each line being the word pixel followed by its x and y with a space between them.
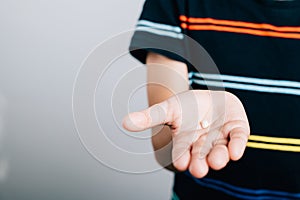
pixel 158 30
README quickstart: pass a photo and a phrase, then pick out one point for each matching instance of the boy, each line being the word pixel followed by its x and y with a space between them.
pixel 256 45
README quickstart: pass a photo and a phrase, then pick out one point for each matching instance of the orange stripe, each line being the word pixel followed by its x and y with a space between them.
pixel 240 24
pixel 241 30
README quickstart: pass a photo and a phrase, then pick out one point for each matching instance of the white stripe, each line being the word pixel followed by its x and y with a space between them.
pixel 160 32
pixel 256 88
pixel 281 83
pixel 159 26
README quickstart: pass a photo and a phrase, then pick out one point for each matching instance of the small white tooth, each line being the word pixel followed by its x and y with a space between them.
pixel 204 124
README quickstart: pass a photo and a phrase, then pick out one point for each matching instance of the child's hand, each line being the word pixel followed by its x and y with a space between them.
pixel 209 128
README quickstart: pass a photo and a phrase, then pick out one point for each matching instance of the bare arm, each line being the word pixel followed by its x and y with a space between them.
pixel 206 129
pixel 165 78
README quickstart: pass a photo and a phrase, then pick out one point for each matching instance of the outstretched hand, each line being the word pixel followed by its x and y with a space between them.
pixel 209 128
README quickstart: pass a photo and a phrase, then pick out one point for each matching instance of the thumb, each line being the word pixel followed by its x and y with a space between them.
pixel 148 118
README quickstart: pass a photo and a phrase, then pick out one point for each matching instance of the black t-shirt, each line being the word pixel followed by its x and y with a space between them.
pixel 255 45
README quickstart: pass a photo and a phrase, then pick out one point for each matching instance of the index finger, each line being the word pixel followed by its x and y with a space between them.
pixel 155 115
pixel 238 142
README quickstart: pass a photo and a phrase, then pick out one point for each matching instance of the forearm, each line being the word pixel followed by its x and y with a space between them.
pixel 165 78
pixel 162 144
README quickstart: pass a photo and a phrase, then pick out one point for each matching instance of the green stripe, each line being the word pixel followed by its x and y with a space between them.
pixel 175 197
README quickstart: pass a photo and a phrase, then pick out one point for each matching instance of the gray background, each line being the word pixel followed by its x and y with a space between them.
pixel 42 46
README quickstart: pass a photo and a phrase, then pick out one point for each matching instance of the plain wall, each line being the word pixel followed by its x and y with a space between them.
pixel 42 46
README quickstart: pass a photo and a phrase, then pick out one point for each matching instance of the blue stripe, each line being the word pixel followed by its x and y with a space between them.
pixel 246 83
pixel 160 32
pixel 248 87
pixel 159 29
pixel 160 26
pixel 236 191
pixel 243 79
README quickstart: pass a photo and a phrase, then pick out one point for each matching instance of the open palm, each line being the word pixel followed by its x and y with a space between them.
pixel 209 128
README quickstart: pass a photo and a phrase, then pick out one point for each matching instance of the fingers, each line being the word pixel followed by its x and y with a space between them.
pixel 219 156
pixel 182 112
pixel 216 148
pixel 209 151
pixel 153 116
pixel 199 166
pixel 237 143
pixel 238 133
pixel 181 155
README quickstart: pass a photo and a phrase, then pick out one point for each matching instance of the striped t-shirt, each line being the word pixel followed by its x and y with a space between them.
pixel 255 45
